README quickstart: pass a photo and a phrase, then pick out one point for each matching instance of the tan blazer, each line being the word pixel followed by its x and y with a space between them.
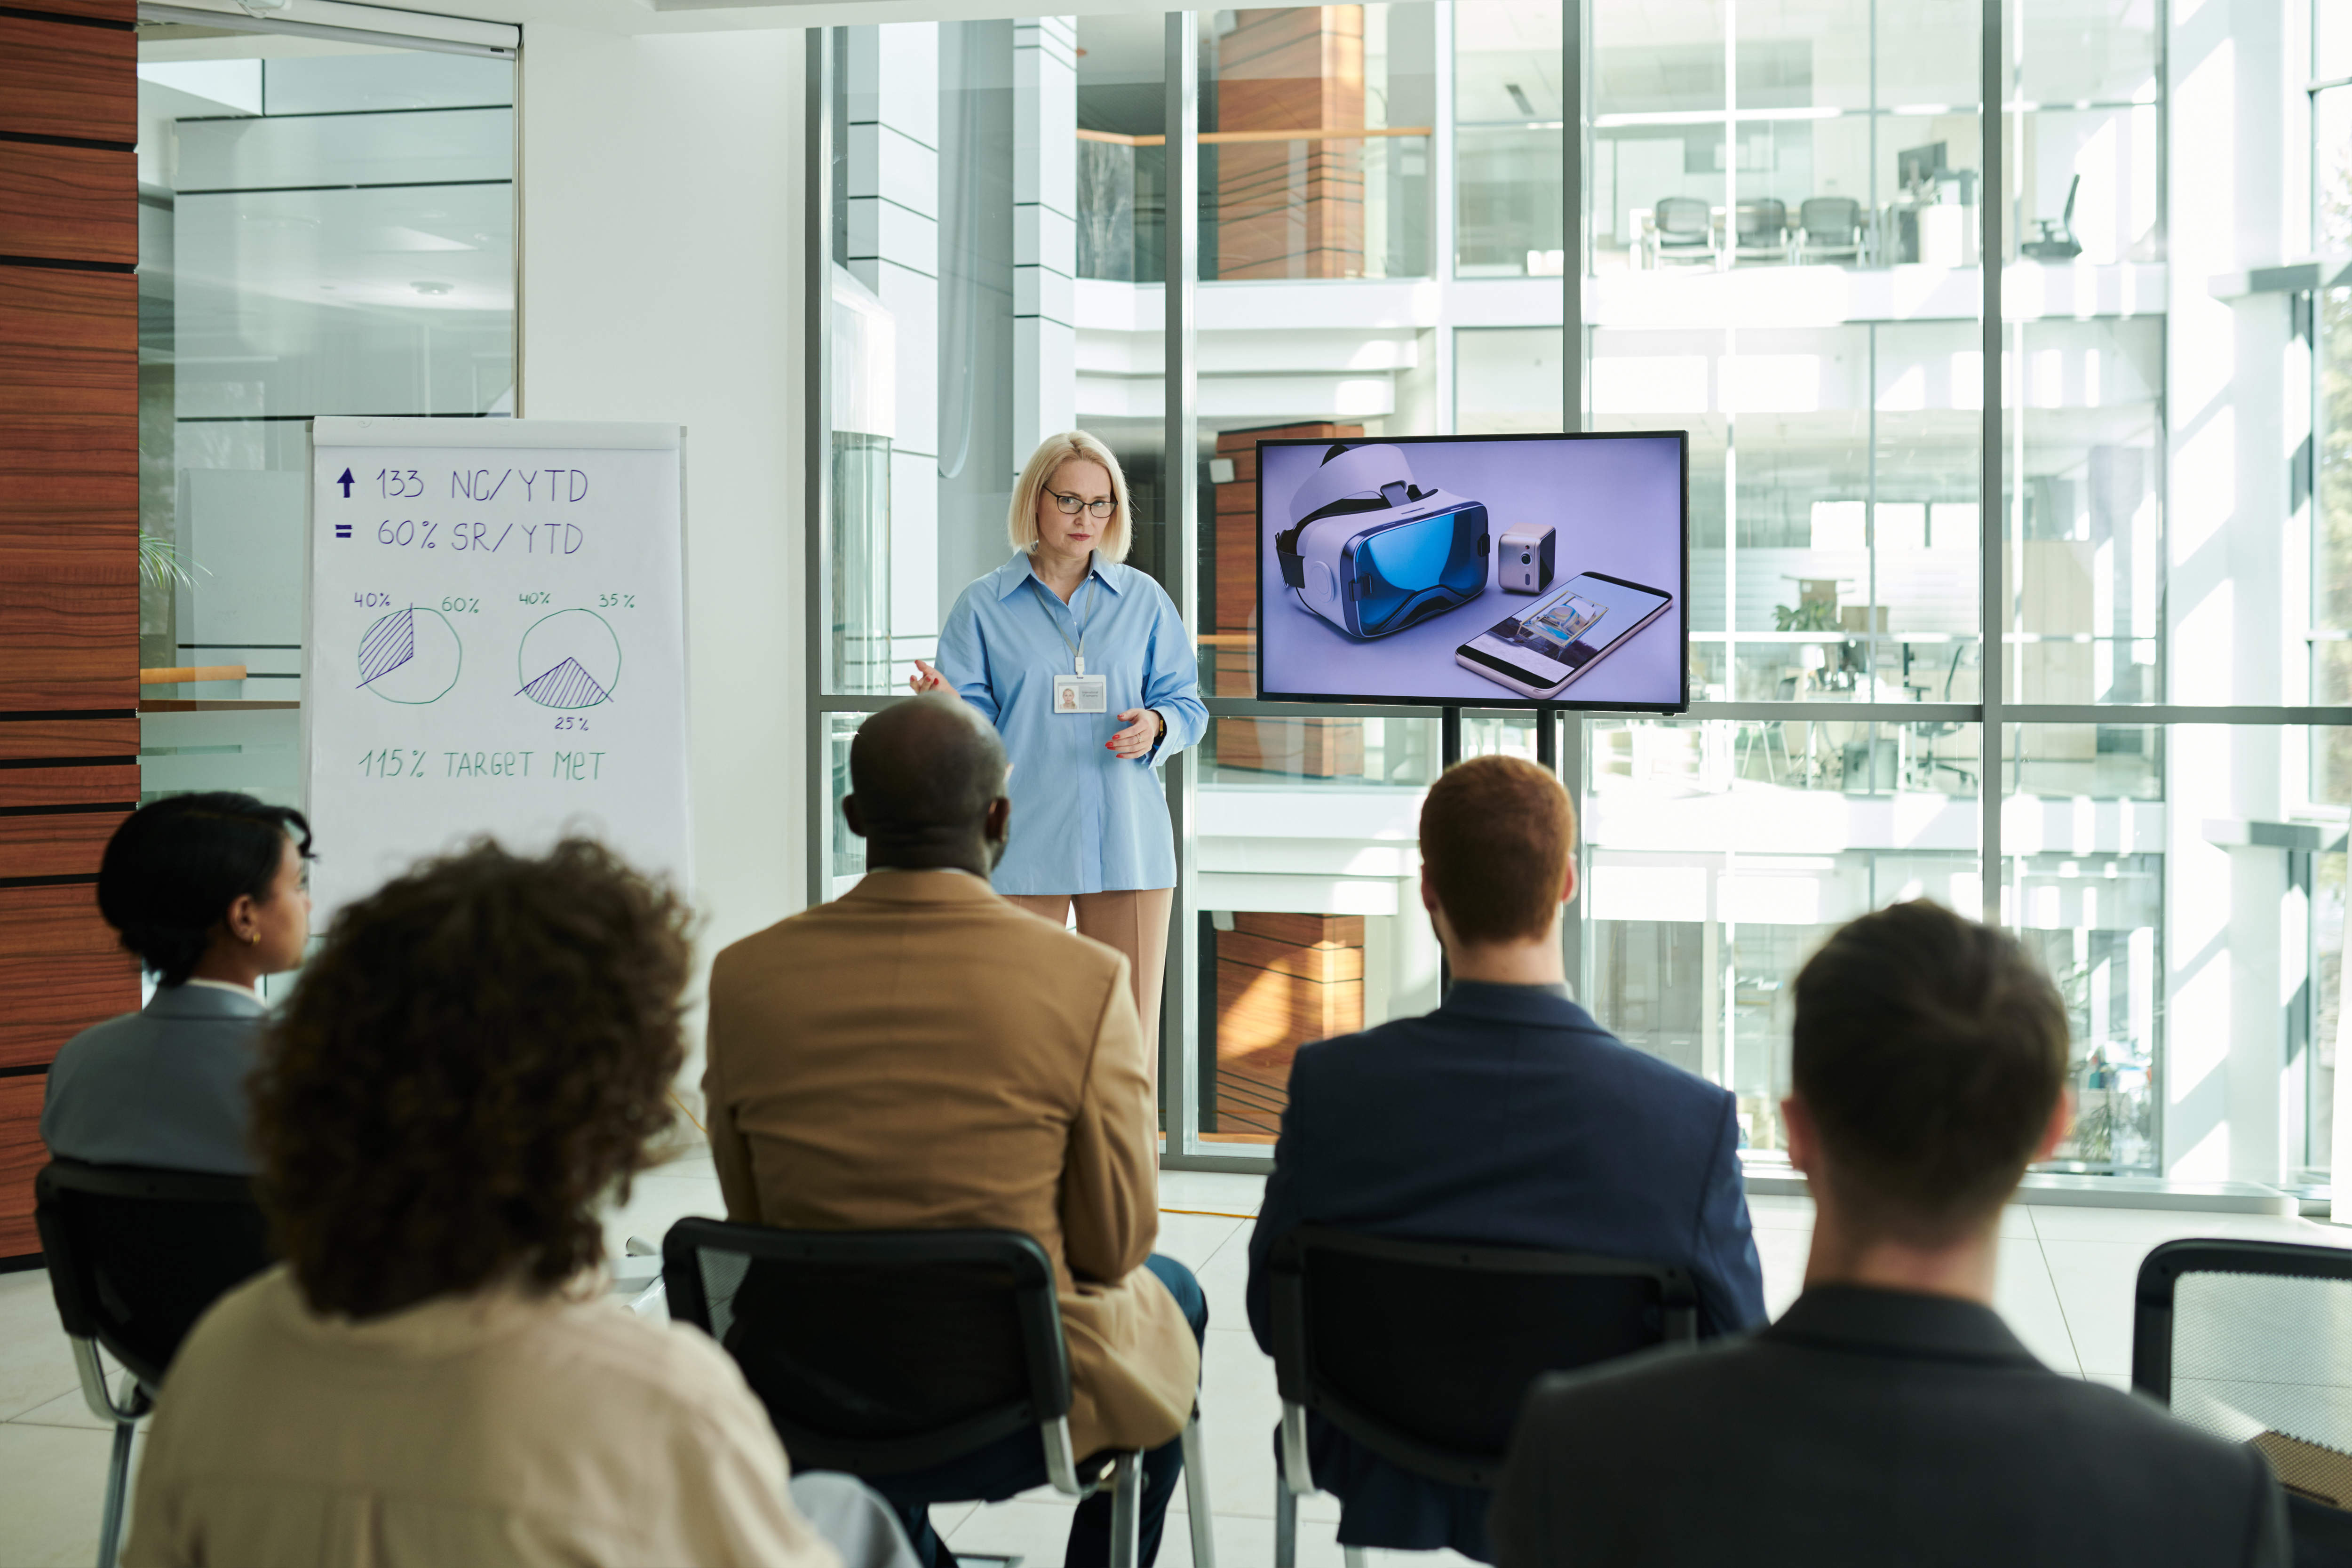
pixel 532 1431
pixel 921 1054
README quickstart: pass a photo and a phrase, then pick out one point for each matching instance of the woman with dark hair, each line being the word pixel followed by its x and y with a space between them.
pixel 208 891
pixel 474 1060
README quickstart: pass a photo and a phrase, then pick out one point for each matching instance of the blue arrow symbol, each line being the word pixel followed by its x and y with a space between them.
pixel 346 482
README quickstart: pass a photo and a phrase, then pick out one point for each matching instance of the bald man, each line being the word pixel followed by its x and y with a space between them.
pixel 921 1053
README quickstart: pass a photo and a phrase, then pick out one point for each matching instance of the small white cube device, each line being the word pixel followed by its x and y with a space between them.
pixel 1523 558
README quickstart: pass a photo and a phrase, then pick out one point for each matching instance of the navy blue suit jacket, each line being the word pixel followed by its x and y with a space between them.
pixel 1508 1116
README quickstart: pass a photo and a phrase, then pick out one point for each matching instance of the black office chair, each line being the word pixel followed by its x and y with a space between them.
pixel 886 1353
pixel 1685 229
pixel 135 1258
pixel 1828 228
pixel 1423 1350
pixel 2251 1340
pixel 2057 241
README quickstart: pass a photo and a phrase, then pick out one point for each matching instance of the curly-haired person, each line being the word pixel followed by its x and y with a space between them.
pixel 435 1375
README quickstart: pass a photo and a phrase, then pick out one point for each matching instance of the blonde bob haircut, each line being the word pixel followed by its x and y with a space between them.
pixel 1071 446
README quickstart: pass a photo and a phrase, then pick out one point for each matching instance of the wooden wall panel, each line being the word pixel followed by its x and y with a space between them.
pixel 66 643
pixel 67 79
pixel 73 203
pixel 56 846
pixel 69 341
pixel 59 921
pixel 68 541
pixel 25 737
pixel 1283 980
pixel 121 12
pixel 22 1154
pixel 58 998
pixel 103 784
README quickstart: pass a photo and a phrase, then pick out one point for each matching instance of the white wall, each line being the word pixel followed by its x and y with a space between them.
pixel 660 181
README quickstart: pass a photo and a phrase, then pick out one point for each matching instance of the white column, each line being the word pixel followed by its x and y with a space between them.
pixel 892 180
pixel 2229 630
pixel 1044 231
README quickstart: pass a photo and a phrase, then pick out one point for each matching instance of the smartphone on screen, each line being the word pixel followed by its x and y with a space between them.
pixel 1587 619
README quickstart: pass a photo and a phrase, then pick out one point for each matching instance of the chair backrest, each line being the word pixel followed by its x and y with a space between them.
pixel 1829 219
pixel 1766 217
pixel 1422 1351
pixel 879 1352
pixel 1680 217
pixel 2251 1340
pixel 135 1256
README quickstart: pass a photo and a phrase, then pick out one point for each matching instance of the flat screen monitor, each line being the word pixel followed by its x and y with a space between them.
pixel 1917 167
pixel 1476 571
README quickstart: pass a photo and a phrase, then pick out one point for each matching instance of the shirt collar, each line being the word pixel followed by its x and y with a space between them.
pixel 1902 1323
pixel 1541 1004
pixel 205 999
pixel 1013 573
pixel 223 986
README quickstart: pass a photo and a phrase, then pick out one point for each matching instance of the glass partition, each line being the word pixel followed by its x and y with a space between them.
pixel 324 228
pixel 1785 206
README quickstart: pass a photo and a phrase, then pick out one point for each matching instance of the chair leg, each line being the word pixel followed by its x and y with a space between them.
pixel 1126 1512
pixel 1196 1496
pixel 1285 1525
pixel 118 1476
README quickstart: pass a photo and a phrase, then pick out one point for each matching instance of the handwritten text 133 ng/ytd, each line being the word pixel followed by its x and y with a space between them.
pixel 564 486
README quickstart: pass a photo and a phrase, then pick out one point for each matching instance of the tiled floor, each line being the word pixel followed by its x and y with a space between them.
pixel 2066 1277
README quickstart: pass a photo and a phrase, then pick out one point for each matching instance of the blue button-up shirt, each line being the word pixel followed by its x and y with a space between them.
pixel 1082 820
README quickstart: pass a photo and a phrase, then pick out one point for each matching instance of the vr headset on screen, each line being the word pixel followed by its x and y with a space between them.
pixel 1372 552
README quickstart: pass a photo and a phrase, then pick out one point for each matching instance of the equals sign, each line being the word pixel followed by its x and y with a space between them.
pixel 343 531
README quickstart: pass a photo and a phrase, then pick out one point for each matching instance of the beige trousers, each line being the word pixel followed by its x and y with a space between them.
pixel 1135 922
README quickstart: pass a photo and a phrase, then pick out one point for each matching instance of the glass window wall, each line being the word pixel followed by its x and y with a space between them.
pixel 324 228
pixel 1781 252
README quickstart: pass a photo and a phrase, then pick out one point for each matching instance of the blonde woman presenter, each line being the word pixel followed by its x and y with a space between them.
pixel 1083 668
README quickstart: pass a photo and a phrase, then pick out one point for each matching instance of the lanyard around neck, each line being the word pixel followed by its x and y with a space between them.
pixel 1077 649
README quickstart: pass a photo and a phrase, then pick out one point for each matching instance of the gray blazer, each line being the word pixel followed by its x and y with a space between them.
pixel 164 1086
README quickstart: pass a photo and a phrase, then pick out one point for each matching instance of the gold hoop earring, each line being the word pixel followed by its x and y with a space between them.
pixel 252 938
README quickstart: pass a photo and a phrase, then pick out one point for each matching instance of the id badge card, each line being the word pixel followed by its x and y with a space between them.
pixel 1081 694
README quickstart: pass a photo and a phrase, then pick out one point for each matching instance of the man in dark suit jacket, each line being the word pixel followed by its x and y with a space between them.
pixel 1889 1415
pixel 1508 1116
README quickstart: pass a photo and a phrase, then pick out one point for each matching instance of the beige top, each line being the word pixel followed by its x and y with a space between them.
pixel 493 1429
pixel 921 1054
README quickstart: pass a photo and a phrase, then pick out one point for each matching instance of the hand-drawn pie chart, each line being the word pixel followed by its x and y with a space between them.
pixel 569 659
pixel 410 656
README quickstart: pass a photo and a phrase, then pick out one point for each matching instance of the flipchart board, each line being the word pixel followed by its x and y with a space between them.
pixel 496 632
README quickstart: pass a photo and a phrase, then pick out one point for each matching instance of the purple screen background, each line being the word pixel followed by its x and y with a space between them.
pixel 1616 503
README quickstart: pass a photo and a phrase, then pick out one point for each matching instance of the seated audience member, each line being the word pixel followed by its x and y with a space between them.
pixel 1889 1415
pixel 1506 1117
pixel 921 1053
pixel 208 891
pixel 435 1376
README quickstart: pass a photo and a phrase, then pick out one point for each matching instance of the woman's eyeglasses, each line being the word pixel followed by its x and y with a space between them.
pixel 1071 505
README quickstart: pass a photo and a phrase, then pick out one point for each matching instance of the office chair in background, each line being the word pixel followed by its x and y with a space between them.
pixel 1423 1350
pixel 1760 230
pixel 886 1354
pixel 1828 228
pixel 2251 1340
pixel 135 1256
pixel 2057 241
pixel 1685 230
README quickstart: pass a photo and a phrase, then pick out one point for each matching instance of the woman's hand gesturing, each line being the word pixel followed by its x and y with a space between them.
pixel 926 680
pixel 1138 739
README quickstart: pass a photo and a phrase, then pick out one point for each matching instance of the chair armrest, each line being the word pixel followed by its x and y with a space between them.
pixel 94 1391
pixel 1297 1468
